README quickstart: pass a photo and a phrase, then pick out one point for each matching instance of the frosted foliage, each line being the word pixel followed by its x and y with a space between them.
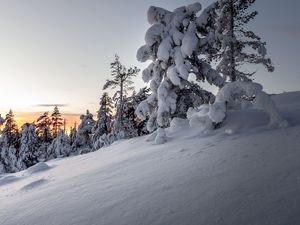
pixel 83 140
pixel 158 15
pixel 9 161
pixel 172 42
pixel 60 146
pixel 142 110
pixel 193 8
pixel 237 45
pixel 166 102
pixel 29 145
pixel 154 34
pixel 234 91
pixel 2 120
pixel 173 74
pixel 143 53
pixel 189 43
pixel 164 49
pixel 161 136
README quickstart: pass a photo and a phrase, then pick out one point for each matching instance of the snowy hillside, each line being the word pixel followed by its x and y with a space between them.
pixel 243 173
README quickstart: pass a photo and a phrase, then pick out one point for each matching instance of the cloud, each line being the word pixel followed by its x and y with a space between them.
pixel 51 105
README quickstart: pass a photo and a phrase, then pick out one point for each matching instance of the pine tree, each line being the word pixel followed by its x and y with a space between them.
pixel 43 129
pixel 56 121
pixel 9 162
pixel 122 79
pixel 73 133
pixel 43 125
pixel 8 145
pixel 83 142
pixel 237 45
pixel 28 153
pixel 10 132
pixel 137 98
pixel 60 146
pixel 104 117
pixel 176 48
pixel 2 121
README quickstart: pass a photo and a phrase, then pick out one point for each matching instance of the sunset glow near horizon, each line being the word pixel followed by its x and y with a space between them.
pixel 59 52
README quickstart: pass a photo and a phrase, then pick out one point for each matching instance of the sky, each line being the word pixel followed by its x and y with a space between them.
pixel 58 52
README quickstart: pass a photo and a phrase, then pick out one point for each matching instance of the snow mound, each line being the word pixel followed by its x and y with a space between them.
pixel 8 179
pixel 34 184
pixel 37 168
pixel 233 94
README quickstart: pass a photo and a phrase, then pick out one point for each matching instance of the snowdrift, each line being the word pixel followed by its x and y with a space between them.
pixel 243 173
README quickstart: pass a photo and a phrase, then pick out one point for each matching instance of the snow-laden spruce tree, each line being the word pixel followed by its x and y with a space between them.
pixel 9 162
pixel 10 132
pixel 104 117
pixel 122 79
pixel 137 98
pixel 237 44
pixel 83 141
pixel 28 152
pixel 56 121
pixel 60 146
pixel 2 121
pixel 43 130
pixel 9 142
pixel 73 133
pixel 176 46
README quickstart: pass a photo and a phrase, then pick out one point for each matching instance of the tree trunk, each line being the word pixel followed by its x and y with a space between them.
pixel 232 48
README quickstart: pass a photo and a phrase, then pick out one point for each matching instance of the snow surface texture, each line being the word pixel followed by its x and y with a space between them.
pixel 206 115
pixel 243 173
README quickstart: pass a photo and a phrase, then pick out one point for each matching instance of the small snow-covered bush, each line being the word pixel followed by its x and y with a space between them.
pixel 207 115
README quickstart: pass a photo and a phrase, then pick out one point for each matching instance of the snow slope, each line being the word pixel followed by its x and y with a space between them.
pixel 244 173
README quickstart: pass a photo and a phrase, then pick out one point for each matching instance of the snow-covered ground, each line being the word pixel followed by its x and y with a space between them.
pixel 244 173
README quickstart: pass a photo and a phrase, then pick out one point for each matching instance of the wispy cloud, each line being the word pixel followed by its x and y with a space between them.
pixel 51 105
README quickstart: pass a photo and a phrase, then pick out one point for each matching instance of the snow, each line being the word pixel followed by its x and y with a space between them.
pixel 154 34
pixel 230 96
pixel 189 44
pixel 243 173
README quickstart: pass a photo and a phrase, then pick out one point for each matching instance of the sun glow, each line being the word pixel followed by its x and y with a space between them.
pixel 31 117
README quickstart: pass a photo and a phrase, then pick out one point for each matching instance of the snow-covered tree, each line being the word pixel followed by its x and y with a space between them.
pixel 83 142
pixel 28 152
pixel 176 47
pixel 60 146
pixel 9 162
pixel 2 121
pixel 237 44
pixel 104 117
pixel 56 121
pixel 137 98
pixel 10 132
pixel 73 133
pixel 43 129
pixel 122 79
